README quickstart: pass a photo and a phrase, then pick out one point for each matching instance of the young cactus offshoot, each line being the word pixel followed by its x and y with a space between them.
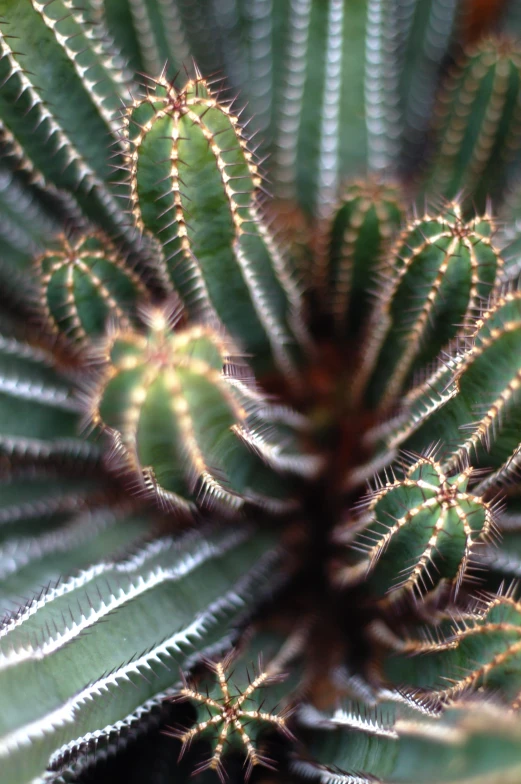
pixel 437 274
pixel 188 422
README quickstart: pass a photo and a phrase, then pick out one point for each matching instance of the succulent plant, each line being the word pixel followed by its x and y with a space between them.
pixel 254 254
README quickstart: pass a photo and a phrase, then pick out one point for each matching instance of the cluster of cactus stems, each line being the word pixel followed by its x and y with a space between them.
pixel 253 255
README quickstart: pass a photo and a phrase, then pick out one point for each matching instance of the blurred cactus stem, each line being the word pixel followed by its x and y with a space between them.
pixel 188 422
pixel 353 247
pixel 478 122
pixel 85 283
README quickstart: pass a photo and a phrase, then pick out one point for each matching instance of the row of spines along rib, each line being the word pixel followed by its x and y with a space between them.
pixel 302 41
pixel 481 369
pixel 202 583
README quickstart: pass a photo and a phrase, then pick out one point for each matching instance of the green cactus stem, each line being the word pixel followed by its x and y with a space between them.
pixel 417 532
pixel 84 283
pixel 187 421
pixel 474 743
pixel 478 123
pixel 475 650
pixel 359 232
pixel 471 402
pixel 194 186
pixel 436 275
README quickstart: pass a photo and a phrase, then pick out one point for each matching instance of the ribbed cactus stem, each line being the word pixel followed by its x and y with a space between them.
pixel 358 233
pixel 418 532
pixel 194 186
pixel 472 401
pixel 110 641
pixel 476 650
pixel 478 121
pixel 242 701
pixel 437 274
pixel 84 283
pixel 185 416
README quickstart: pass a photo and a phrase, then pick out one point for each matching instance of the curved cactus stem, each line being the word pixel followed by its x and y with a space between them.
pixel 85 283
pixel 249 692
pixel 62 62
pixel 478 650
pixel 478 122
pixel 194 186
pixel 188 423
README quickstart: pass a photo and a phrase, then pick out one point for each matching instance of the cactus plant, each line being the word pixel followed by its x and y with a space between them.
pixel 196 379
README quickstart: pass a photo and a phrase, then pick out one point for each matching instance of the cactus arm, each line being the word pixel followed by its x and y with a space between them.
pixel 476 650
pixel 36 405
pixel 483 88
pixel 188 159
pixel 69 542
pixel 149 34
pixel 356 238
pixel 184 414
pixel 201 584
pixel 433 24
pixel 442 268
pixel 418 531
pixel 85 283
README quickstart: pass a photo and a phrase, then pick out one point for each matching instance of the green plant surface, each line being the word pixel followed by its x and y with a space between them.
pixel 255 255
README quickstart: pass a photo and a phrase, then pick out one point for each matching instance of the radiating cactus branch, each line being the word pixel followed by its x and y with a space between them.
pixel 476 650
pixel 479 121
pixel 231 711
pixel 419 531
pixel 352 248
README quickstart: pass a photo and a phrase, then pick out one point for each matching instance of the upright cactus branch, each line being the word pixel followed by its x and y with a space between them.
pixel 439 271
pixel 478 121
pixel 419 531
pixel 189 159
pixel 84 283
